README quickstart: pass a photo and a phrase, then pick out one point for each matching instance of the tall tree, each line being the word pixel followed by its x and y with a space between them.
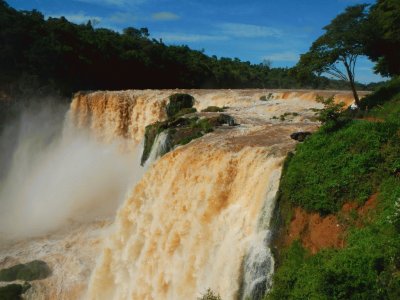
pixel 337 50
pixel 383 40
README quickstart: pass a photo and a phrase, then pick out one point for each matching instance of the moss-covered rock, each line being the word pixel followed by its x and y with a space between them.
pixel 266 97
pixel 150 135
pixel 177 102
pixel 185 111
pixel 13 291
pixel 33 270
pixel 181 130
pixel 226 119
pixel 213 109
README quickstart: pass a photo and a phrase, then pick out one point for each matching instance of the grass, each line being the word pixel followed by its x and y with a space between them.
pixel 331 168
pixel 367 268
pixel 335 165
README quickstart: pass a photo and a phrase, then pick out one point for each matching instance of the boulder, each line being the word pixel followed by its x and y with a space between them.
pixel 300 136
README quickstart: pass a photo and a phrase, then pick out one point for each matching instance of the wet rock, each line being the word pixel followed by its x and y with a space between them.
pixel 300 136
pixel 213 109
pixel 177 102
pixel 13 291
pixel 33 270
pixel 226 119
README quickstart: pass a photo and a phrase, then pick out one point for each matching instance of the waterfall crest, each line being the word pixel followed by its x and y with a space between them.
pixel 197 219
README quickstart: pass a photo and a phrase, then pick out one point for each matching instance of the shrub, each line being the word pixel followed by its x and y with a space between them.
pixel 332 114
pixel 210 295
pixel 330 168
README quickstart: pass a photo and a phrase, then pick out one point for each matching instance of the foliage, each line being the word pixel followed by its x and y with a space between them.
pixel 332 115
pixel 340 44
pixel 382 43
pixel 33 270
pixel 54 54
pixel 383 94
pixel 177 102
pixel 345 164
pixel 210 295
pixel 367 268
pixel 328 169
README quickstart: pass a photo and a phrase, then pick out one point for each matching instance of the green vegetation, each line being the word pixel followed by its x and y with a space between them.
pixel 33 270
pixel 382 42
pixel 178 102
pixel 331 112
pixel 347 163
pixel 40 55
pixel 13 291
pixel 210 295
pixel 340 44
pixel 181 128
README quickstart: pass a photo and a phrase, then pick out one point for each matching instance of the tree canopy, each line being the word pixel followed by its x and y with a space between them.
pixel 382 43
pixel 337 50
pixel 54 52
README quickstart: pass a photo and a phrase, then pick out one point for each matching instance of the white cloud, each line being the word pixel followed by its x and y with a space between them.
pixel 121 18
pixel 283 56
pixel 248 30
pixel 77 18
pixel 164 16
pixel 188 38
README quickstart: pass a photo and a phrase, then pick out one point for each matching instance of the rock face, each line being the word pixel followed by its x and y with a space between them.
pixel 300 136
pixel 183 125
pixel 33 270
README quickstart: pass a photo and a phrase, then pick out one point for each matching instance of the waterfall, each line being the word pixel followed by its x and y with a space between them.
pixel 194 219
pixel 187 225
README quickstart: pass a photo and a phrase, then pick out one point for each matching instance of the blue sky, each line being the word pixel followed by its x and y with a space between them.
pixel 278 30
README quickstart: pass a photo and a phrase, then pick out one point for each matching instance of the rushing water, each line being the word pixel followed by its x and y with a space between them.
pixel 195 219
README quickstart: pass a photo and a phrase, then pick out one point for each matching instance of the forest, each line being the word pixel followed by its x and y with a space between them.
pixel 39 54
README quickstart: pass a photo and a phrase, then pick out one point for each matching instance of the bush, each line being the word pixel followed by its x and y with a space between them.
pixel 328 169
pixel 331 168
pixel 367 268
pixel 382 95
pixel 177 102
pixel 210 295
pixel 331 116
